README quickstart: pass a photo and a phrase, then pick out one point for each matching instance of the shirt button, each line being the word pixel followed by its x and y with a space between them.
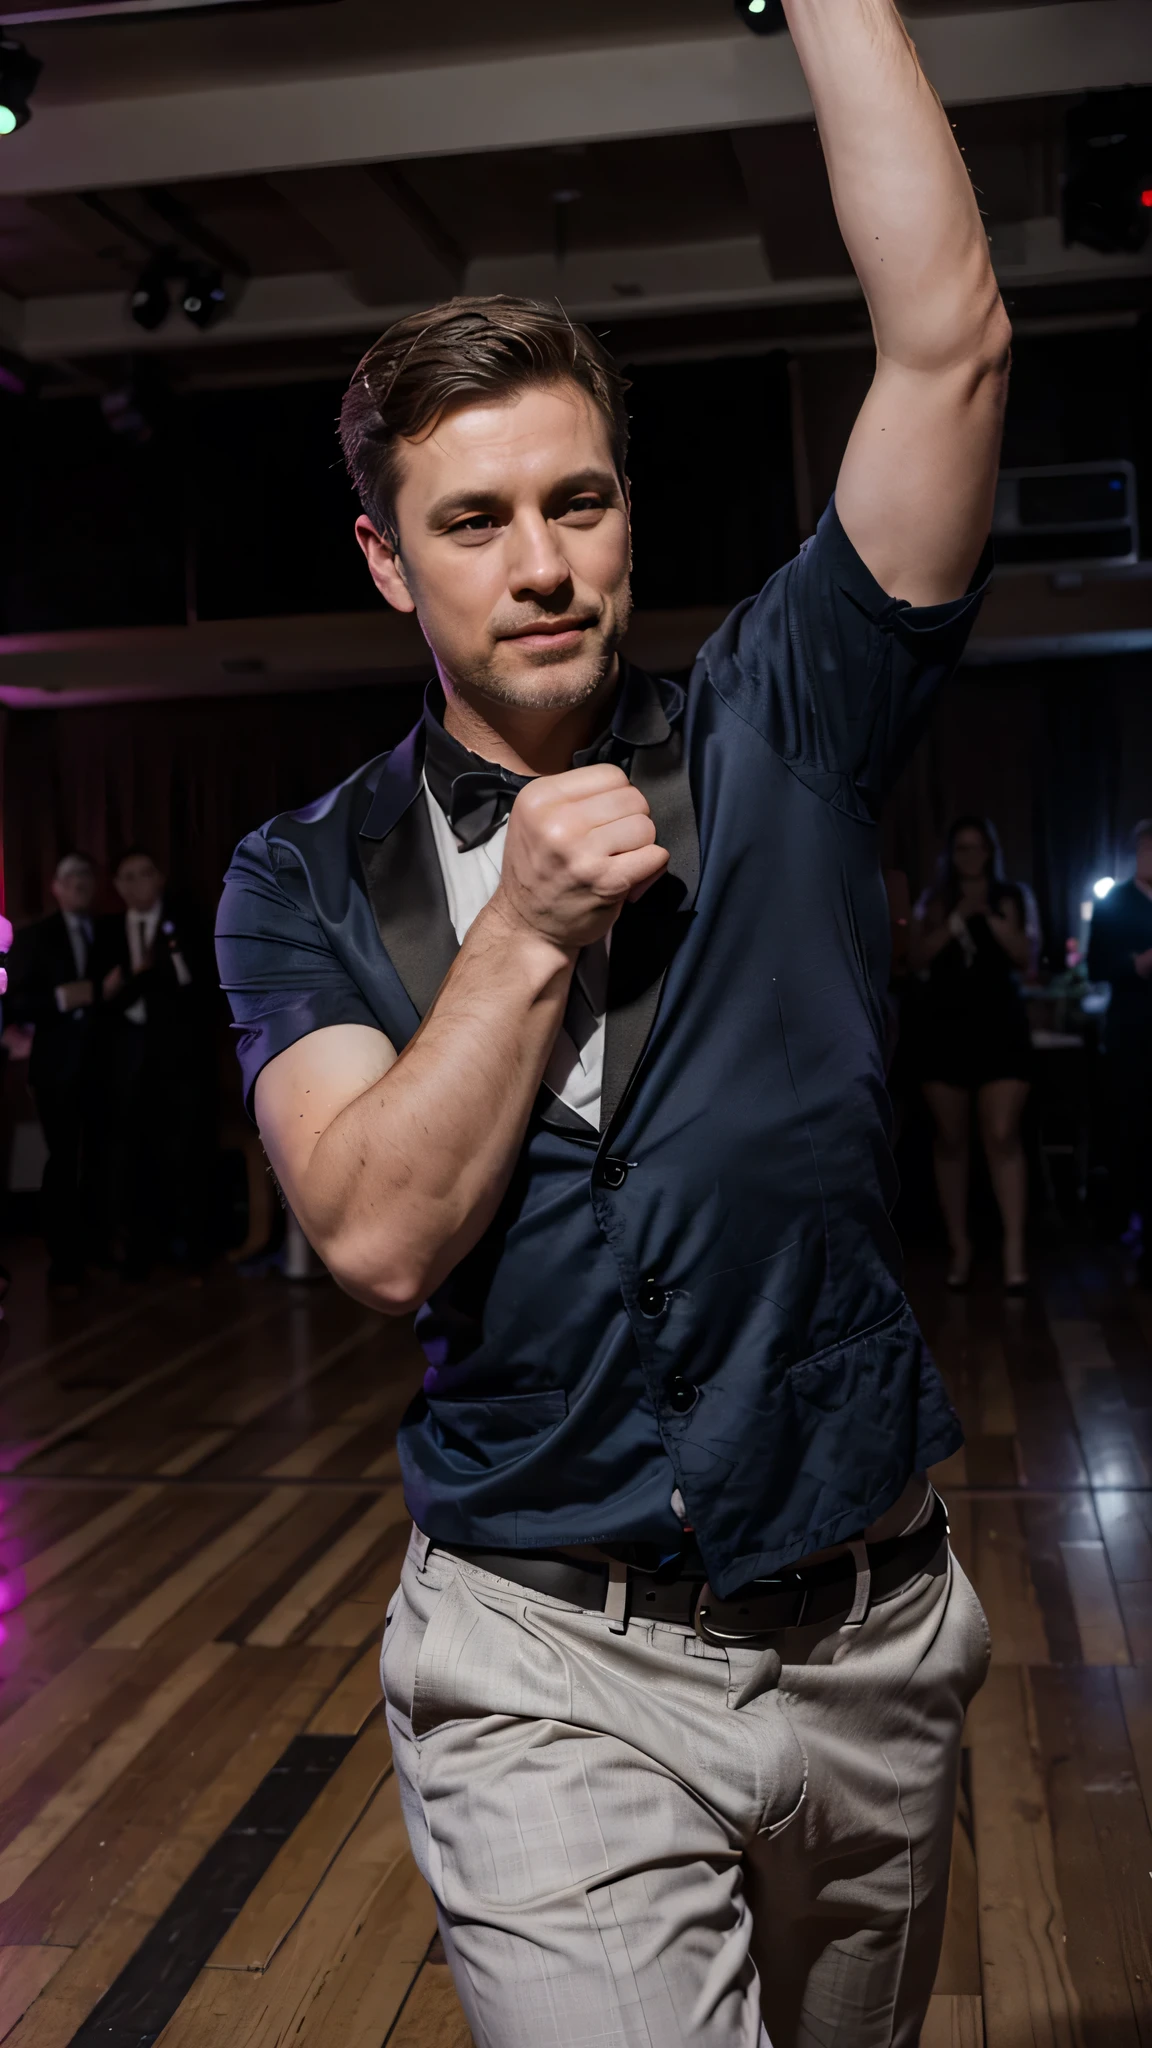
pixel 612 1173
pixel 652 1297
pixel 682 1395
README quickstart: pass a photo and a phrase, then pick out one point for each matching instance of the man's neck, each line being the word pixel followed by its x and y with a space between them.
pixel 527 742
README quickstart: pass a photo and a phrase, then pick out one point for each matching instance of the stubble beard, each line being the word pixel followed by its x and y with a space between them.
pixel 550 681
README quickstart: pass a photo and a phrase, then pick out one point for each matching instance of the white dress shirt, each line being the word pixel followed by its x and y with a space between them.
pixel 575 1069
pixel 79 929
pixel 143 926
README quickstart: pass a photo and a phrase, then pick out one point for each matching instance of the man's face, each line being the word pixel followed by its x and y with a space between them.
pixel 514 548
pixel 139 882
pixel 1144 858
pixel 75 889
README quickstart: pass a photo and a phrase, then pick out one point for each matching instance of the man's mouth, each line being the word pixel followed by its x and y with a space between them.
pixel 552 633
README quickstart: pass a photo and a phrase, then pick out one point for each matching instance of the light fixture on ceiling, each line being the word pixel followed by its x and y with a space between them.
pixel 763 17
pixel 19 71
pixel 150 303
pixel 203 293
pixel 205 296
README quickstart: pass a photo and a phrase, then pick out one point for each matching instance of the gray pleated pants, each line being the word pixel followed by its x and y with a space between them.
pixel 628 1851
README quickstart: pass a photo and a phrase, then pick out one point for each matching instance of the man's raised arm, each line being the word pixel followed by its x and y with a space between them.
pixel 916 485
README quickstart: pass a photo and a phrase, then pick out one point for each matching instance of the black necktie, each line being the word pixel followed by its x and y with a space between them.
pixel 474 795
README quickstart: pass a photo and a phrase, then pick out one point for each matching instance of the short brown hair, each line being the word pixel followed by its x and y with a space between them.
pixel 430 363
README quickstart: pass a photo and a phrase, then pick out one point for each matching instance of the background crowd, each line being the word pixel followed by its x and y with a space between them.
pixel 115 1013
pixel 118 1017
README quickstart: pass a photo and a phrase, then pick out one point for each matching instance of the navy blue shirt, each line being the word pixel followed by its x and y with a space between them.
pixel 706 1295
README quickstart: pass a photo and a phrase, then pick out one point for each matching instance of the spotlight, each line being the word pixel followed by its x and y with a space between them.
pixel 1108 171
pixel 204 298
pixel 763 17
pixel 150 304
pixel 18 75
pixel 1101 888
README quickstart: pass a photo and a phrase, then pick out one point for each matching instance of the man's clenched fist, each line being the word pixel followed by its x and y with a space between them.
pixel 578 846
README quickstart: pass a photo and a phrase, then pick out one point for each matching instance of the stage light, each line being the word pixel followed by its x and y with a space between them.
pixel 763 17
pixel 150 304
pixel 18 75
pixel 1100 889
pixel 1146 199
pixel 204 298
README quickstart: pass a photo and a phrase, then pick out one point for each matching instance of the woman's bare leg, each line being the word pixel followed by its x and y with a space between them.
pixel 950 1108
pixel 1000 1107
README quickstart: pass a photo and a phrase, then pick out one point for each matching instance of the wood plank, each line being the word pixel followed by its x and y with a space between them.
pixel 1103 1421
pixel 305 1677
pixel 1094 1952
pixel 245 1404
pixel 346 1967
pixel 60 1814
pixel 71 1550
pixel 359 1617
pixel 1135 1691
pixel 1126 1526
pixel 951 2022
pixel 284 1891
pixel 1084 1739
pixel 23 1974
pixel 136 1627
pixel 1003 1580
pixel 144 1382
pixel 317 1585
pixel 1094 1599
pixel 1029 1993
pixel 354 1701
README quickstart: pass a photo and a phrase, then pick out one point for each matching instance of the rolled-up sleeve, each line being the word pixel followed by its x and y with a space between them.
pixel 838 676
pixel 277 967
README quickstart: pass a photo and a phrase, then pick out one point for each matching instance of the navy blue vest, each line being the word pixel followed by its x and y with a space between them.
pixel 705 1295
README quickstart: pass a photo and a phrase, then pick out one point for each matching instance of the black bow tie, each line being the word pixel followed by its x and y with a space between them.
pixel 474 795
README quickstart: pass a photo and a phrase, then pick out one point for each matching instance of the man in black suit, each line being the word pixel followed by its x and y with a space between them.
pixel 156 978
pixel 51 990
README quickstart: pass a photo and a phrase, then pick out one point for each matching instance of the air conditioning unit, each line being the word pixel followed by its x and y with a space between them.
pixel 1079 516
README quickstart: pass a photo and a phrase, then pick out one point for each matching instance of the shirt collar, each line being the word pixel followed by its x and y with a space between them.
pixel 645 710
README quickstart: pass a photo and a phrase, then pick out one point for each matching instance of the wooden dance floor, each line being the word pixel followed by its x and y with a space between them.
pixel 201 1840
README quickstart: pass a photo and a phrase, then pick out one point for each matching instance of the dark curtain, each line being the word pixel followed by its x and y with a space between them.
pixel 184 779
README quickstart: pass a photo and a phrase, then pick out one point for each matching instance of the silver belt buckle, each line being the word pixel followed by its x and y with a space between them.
pixel 751 1637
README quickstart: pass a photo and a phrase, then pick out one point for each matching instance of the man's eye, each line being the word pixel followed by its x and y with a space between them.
pixel 480 522
pixel 587 502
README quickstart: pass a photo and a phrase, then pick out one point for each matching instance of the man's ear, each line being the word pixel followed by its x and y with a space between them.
pixel 385 566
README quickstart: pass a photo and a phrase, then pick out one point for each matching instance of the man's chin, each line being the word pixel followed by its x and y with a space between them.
pixel 541 679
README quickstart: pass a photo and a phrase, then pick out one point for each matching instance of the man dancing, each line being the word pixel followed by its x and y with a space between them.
pixel 563 1026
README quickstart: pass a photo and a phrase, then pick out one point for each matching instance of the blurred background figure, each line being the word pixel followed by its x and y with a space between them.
pixel 52 994
pixel 157 979
pixel 972 936
pixel 1120 953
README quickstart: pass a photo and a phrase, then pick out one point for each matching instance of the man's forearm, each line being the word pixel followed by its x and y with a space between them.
pixel 406 1179
pixel 903 196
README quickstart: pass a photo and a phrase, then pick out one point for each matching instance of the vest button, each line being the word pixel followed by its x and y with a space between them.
pixel 652 1298
pixel 682 1395
pixel 612 1173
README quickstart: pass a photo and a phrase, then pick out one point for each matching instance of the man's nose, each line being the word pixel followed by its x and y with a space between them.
pixel 537 565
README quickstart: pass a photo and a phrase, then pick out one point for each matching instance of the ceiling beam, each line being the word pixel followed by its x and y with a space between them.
pixel 594 284
pixel 391 252
pixel 731 80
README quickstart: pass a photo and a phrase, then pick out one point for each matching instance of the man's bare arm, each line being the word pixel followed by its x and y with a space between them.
pixel 395 1167
pixel 916 486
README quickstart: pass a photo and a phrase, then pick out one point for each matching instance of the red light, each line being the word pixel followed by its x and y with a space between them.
pixel 1146 199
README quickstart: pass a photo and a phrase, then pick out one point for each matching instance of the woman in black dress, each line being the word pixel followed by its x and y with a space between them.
pixel 970 940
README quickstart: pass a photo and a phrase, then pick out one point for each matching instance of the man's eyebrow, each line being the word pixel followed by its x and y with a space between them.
pixel 457 504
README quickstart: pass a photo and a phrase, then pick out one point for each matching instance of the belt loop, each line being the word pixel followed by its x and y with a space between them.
pixel 858 1612
pixel 616 1597
pixel 418 1547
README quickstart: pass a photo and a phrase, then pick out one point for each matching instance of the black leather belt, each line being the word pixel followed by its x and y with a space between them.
pixel 840 1590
